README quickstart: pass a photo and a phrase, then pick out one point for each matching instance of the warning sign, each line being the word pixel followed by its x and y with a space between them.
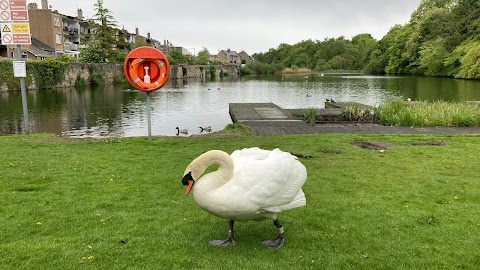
pixel 23 28
pixel 14 25
pixel 15 33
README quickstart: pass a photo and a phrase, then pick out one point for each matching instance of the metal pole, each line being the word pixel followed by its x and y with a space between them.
pixel 24 93
pixel 149 117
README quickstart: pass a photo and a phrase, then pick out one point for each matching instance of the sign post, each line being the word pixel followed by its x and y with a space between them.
pixel 24 91
pixel 15 30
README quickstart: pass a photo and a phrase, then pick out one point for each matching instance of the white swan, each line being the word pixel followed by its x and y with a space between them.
pixel 250 184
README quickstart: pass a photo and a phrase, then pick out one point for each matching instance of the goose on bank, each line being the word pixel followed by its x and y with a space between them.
pixel 181 131
pixel 207 129
pixel 250 184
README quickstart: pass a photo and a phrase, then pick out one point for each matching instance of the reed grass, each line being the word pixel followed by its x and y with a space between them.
pixel 296 70
pixel 424 113
pixel 312 116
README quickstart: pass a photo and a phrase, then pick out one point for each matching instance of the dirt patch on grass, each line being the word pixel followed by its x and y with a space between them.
pixel 371 145
pixel 429 143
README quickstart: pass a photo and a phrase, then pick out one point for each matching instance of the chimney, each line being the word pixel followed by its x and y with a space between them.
pixel 32 6
pixel 136 31
pixel 80 14
pixel 45 4
pixel 148 35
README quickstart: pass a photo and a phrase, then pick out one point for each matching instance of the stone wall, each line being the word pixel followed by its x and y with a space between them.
pixel 202 72
pixel 109 71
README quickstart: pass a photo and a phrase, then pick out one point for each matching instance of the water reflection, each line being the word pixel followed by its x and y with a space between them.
pixel 189 104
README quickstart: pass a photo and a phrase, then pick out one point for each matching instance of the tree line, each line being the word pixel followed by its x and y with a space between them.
pixel 333 53
pixel 441 39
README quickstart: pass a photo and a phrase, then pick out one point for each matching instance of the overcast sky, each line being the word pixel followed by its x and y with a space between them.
pixel 250 25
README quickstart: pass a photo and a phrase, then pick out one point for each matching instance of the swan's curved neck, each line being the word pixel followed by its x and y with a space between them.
pixel 220 158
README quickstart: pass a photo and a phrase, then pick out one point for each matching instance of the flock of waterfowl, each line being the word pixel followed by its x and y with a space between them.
pixel 185 131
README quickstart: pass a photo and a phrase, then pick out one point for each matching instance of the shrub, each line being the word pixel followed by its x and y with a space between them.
pixel 95 78
pixel 47 73
pixel 213 70
pixel 80 83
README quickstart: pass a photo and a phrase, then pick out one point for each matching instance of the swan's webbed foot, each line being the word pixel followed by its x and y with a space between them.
pixel 227 242
pixel 223 243
pixel 275 243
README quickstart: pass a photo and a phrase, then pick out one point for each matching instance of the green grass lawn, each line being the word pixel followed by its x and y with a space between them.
pixel 120 204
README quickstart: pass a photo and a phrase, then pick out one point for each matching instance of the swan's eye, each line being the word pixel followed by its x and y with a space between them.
pixel 187 177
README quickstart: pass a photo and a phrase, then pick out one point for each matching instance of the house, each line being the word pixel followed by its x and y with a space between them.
pixel 47 26
pixel 245 58
pixel 232 57
pixel 167 47
pixel 39 50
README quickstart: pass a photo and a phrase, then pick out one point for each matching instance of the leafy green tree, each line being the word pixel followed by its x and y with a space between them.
pixel 470 62
pixel 203 57
pixel 322 65
pixel 103 33
pixel 177 57
pixel 432 57
pixel 379 56
pixel 94 53
pixel 398 63
pixel 363 44
pixel 428 5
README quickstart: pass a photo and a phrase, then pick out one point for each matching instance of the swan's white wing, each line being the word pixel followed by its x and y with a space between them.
pixel 272 180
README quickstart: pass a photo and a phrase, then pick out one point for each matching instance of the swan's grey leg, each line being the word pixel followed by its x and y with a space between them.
pixel 276 242
pixel 227 242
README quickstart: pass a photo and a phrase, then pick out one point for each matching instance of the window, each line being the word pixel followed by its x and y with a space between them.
pixel 58 38
pixel 56 21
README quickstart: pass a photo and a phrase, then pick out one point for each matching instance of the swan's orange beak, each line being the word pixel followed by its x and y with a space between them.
pixel 189 187
pixel 188 181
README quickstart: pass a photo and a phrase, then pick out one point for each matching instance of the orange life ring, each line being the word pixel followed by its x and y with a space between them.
pixel 157 71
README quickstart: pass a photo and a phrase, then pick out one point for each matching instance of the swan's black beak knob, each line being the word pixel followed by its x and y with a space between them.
pixel 188 181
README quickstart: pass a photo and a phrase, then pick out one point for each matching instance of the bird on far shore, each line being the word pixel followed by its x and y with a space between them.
pixel 207 129
pixel 330 100
pixel 181 131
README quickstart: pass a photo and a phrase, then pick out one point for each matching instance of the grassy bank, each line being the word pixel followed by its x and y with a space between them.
pixel 403 202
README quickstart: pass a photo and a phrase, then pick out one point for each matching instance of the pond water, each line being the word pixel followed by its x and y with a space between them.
pixel 119 111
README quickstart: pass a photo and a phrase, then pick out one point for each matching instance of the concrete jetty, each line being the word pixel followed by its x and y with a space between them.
pixel 265 119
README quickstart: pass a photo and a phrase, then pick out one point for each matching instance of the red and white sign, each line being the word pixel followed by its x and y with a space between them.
pixel 13 10
pixel 18 4
pixel 15 33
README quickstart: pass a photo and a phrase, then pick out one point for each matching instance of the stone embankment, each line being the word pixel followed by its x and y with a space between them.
pixel 109 72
